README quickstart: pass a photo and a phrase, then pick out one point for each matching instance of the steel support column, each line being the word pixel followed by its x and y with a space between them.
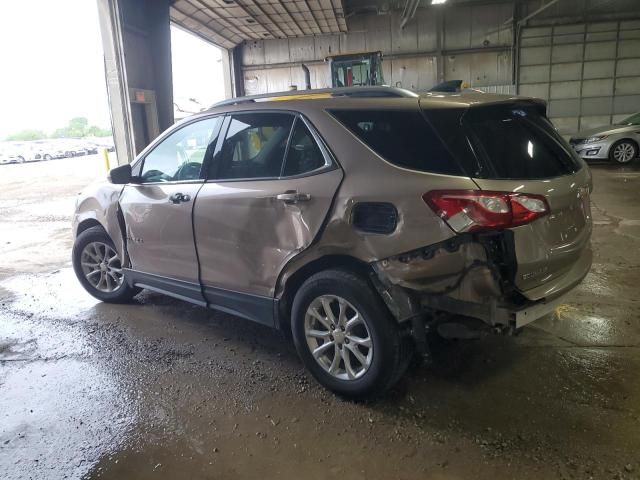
pixel 137 53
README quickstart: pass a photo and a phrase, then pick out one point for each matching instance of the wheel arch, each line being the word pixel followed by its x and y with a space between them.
pixel 87 224
pixel 292 283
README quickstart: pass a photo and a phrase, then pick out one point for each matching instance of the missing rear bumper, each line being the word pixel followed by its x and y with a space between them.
pixel 465 276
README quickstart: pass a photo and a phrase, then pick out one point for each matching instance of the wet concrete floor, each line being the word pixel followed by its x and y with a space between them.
pixel 163 389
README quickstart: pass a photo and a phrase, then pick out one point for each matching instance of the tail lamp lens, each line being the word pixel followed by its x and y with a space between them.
pixel 477 210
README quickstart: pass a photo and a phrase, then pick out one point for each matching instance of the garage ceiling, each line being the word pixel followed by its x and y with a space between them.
pixel 229 22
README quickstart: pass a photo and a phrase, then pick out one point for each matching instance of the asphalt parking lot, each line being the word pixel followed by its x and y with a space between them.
pixel 163 389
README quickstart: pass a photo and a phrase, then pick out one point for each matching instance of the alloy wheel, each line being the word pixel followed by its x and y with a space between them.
pixel 338 337
pixel 101 267
pixel 624 152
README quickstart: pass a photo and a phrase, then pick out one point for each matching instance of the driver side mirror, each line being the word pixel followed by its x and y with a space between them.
pixel 121 175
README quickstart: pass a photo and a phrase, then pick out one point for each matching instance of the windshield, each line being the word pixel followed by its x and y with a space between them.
pixel 632 120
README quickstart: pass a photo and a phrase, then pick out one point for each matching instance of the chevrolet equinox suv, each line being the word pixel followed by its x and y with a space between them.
pixel 357 219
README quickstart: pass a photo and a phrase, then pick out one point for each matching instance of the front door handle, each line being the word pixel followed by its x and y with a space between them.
pixel 292 196
pixel 179 197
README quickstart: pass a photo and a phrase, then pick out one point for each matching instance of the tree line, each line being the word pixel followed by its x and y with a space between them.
pixel 77 127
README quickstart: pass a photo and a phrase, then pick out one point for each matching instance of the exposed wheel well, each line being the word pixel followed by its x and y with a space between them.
pixel 86 224
pixel 298 278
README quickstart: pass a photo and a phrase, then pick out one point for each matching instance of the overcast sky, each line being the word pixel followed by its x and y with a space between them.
pixel 51 65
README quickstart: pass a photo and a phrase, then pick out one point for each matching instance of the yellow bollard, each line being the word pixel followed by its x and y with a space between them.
pixel 105 154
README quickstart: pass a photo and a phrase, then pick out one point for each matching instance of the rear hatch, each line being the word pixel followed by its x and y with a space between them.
pixel 517 159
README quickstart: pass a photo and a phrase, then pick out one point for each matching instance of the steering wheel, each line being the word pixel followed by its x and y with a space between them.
pixel 156 176
pixel 188 171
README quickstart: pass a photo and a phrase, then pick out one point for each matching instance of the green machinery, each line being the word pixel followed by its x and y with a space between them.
pixel 356 69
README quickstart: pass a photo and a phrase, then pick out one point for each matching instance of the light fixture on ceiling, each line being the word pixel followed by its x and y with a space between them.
pixel 437 2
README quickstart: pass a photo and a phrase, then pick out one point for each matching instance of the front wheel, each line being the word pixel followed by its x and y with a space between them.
pixel 346 337
pixel 98 267
pixel 623 152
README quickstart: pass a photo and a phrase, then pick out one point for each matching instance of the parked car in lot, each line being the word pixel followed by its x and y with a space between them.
pixel 103 143
pixel 20 152
pixel 619 142
pixel 91 149
pixel 75 150
pixel 46 150
pixel 7 157
pixel 358 221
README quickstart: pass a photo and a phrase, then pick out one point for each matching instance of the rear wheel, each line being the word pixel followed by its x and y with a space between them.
pixel 98 267
pixel 346 337
pixel 623 151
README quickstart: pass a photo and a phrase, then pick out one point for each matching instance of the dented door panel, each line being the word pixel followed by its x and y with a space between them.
pixel 245 234
pixel 159 231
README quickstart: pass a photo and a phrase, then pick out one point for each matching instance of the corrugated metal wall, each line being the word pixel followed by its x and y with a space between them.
pixel 469 43
pixel 589 73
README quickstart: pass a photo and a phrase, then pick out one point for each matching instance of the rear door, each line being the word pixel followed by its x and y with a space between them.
pixel 269 189
pixel 518 150
pixel 158 209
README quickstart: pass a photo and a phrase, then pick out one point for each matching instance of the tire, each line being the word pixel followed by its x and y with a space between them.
pixel 87 250
pixel 386 359
pixel 623 152
pixel 20 159
pixel 47 157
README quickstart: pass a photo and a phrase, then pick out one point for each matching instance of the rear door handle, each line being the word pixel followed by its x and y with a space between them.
pixel 292 196
pixel 179 197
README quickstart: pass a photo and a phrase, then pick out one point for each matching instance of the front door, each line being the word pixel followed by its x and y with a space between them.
pixel 158 210
pixel 267 194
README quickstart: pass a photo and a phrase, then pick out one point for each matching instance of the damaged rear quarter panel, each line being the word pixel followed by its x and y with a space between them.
pixel 370 178
pixel 460 271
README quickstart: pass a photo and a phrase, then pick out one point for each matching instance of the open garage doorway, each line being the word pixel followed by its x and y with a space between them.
pixel 46 159
pixel 198 76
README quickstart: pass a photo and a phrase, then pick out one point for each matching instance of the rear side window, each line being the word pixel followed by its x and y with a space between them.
pixel 517 143
pixel 402 137
pixel 254 147
pixel 303 155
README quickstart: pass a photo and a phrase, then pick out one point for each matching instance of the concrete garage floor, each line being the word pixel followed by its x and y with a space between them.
pixel 162 389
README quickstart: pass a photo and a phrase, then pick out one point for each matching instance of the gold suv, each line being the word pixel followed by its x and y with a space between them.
pixel 357 219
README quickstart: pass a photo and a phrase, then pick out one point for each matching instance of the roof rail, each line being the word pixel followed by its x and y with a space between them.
pixel 360 92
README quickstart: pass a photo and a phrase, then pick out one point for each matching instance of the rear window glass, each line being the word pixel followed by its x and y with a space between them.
pixel 507 141
pixel 517 143
pixel 402 137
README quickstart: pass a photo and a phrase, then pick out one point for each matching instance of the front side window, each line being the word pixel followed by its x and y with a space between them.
pixel 180 155
pixel 254 147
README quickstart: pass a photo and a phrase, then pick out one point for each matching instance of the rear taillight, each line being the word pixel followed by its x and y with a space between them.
pixel 475 210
